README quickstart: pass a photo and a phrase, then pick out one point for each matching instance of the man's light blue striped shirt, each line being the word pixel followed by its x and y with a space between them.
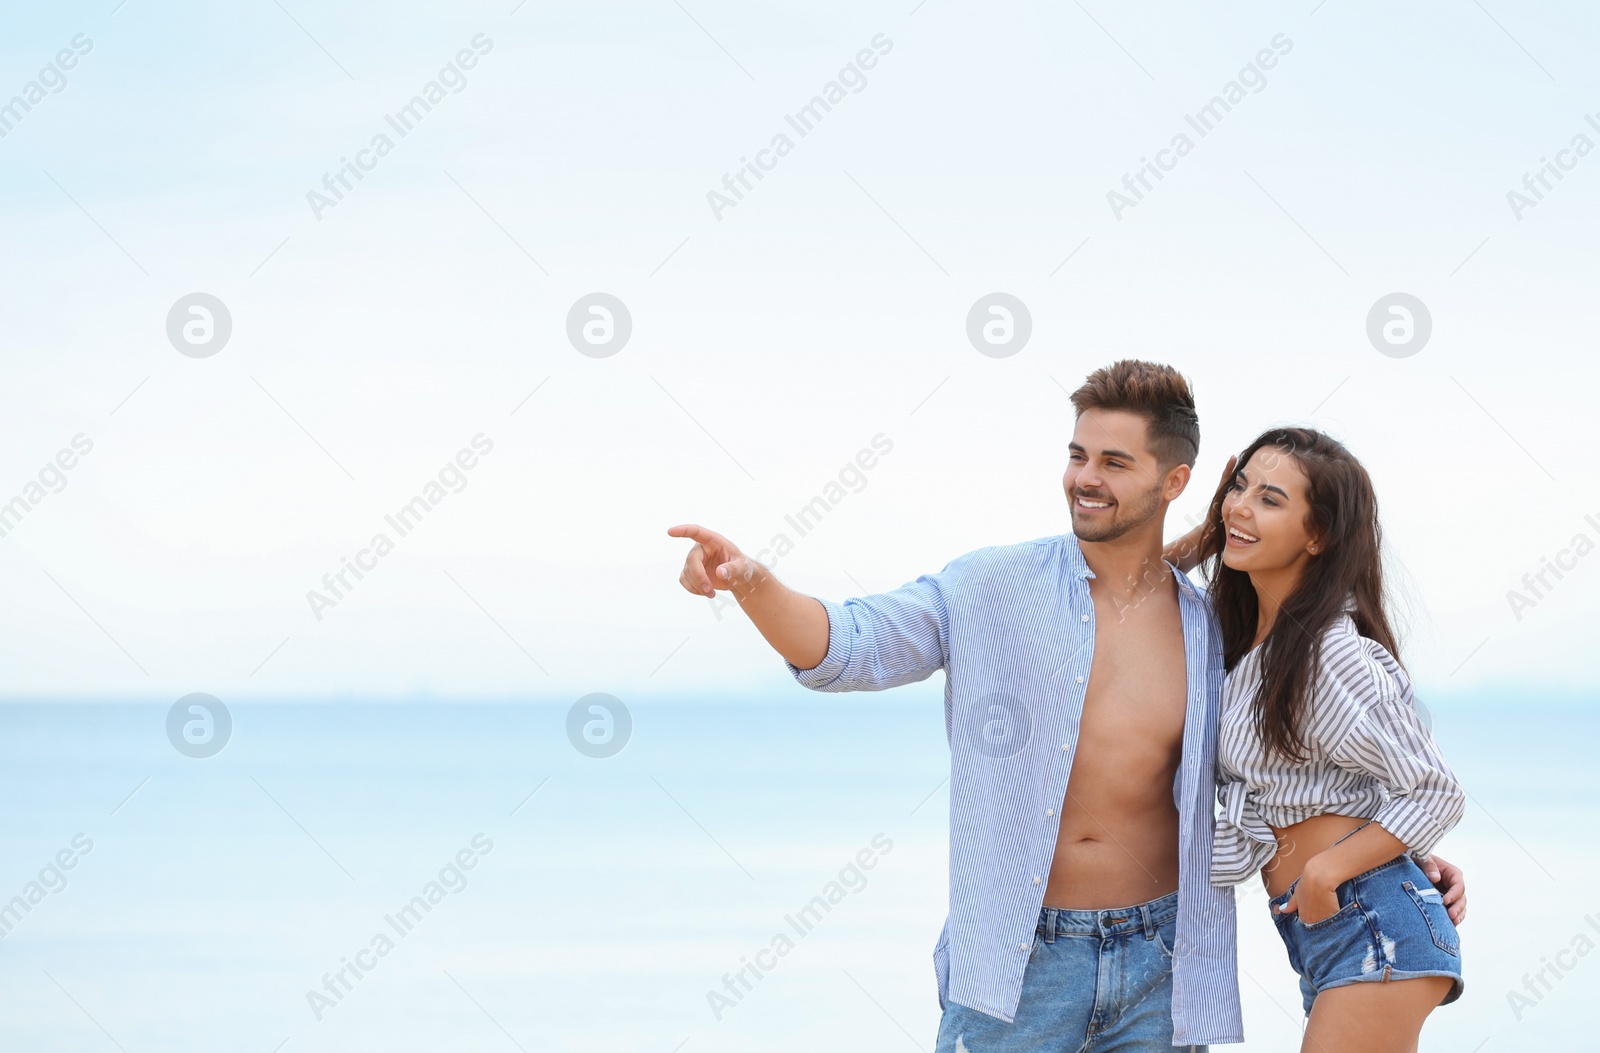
pixel 1013 627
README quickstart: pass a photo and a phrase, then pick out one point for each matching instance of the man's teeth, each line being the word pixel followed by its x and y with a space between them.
pixel 1085 502
pixel 1241 535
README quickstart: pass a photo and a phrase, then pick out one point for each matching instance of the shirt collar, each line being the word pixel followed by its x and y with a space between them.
pixel 1079 567
pixel 1185 586
pixel 1076 564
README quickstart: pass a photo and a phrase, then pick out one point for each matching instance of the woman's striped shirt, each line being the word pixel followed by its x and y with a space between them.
pixel 1370 756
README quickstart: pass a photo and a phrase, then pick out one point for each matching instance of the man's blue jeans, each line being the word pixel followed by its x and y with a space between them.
pixel 1097 981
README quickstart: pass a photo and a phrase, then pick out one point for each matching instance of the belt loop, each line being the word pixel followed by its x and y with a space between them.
pixel 1149 922
pixel 1049 925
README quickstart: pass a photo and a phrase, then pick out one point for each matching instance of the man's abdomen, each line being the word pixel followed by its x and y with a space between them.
pixel 1113 857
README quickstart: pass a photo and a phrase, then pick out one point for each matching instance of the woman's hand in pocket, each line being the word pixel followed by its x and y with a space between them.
pixel 1314 902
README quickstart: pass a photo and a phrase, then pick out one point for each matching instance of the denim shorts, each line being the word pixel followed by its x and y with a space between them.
pixel 1391 924
pixel 1095 980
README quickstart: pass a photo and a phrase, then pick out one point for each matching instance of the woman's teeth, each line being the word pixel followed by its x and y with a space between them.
pixel 1235 532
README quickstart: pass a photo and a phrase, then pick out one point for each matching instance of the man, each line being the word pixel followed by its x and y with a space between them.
pixel 1081 806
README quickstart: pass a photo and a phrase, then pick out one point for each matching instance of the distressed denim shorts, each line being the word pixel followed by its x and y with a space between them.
pixel 1391 924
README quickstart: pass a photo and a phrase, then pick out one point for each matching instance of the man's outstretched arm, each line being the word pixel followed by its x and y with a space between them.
pixel 794 624
pixel 867 643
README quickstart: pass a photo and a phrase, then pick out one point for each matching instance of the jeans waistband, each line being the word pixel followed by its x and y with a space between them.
pixel 1141 917
pixel 1399 860
pixel 1283 897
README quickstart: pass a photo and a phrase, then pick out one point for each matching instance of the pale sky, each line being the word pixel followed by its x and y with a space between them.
pixel 372 340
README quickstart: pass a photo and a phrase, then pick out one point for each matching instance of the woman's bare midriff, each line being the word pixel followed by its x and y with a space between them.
pixel 1298 843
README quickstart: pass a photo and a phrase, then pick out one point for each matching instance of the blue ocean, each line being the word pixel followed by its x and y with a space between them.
pixel 460 876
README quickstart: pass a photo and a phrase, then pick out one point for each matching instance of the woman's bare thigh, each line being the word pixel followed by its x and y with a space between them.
pixel 1373 1017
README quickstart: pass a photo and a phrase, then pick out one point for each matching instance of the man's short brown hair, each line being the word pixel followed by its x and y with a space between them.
pixel 1159 394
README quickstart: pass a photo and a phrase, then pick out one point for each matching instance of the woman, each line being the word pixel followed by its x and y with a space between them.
pixel 1329 781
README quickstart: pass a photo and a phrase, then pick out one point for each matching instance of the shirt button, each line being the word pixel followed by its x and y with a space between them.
pixel 1085 617
pixel 1022 946
pixel 1036 879
pixel 1049 811
pixel 1065 747
pixel 1080 679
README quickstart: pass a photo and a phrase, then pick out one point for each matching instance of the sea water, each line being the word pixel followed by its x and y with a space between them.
pixel 746 873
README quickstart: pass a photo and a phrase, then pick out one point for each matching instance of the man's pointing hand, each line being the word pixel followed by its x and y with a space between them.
pixel 714 562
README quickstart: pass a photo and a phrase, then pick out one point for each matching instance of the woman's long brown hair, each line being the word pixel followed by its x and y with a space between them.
pixel 1343 518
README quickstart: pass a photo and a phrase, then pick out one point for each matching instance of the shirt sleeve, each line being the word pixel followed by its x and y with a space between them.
pixel 886 639
pixel 1388 742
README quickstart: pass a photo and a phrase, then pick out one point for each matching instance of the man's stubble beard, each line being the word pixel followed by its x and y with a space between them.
pixel 1120 524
